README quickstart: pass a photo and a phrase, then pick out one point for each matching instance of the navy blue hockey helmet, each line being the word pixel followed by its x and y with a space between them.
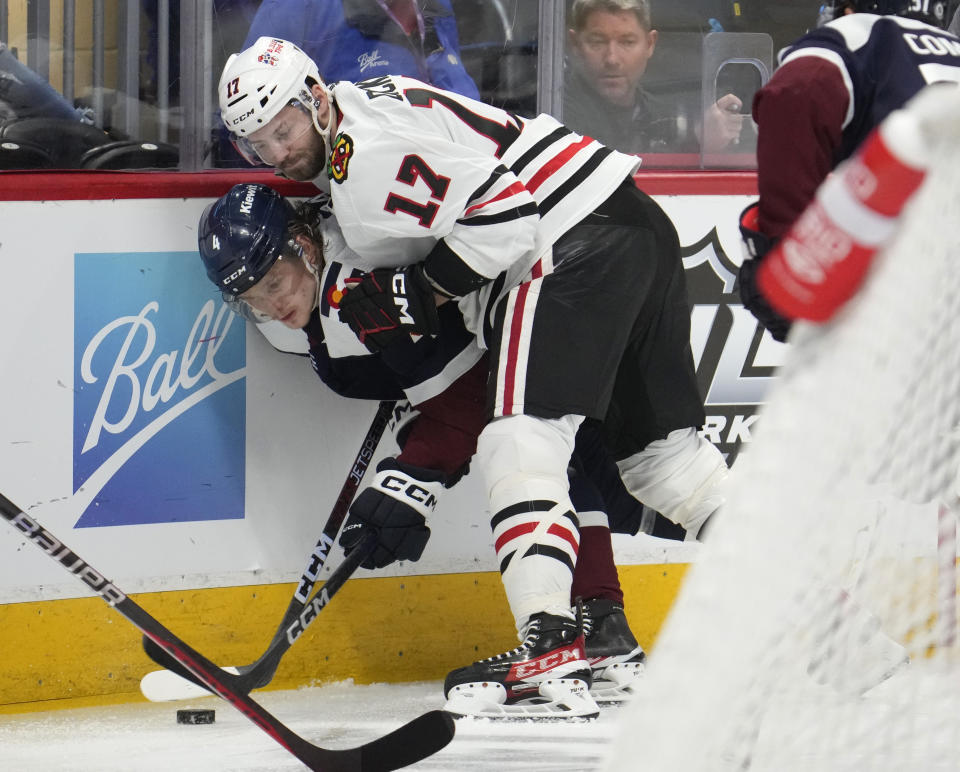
pixel 933 12
pixel 242 234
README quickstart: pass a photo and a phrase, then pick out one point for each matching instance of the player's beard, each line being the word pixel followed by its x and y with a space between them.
pixel 307 164
pixel 305 168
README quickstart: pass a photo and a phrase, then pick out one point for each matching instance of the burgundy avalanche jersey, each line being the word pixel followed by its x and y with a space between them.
pixel 884 60
pixel 413 165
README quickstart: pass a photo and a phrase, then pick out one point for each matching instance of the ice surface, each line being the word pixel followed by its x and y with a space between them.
pixel 145 737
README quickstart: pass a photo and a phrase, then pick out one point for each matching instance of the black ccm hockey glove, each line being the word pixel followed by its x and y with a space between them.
pixel 389 303
pixel 757 245
pixel 396 505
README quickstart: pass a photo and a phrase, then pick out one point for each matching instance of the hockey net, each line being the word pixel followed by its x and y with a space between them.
pixel 836 554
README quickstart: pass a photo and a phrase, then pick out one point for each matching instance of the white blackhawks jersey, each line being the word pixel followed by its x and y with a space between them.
pixel 341 342
pixel 412 165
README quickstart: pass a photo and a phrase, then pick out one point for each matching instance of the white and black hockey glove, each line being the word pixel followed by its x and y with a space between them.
pixel 389 303
pixel 395 505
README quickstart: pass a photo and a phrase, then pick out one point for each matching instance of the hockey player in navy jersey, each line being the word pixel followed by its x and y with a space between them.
pixel 568 275
pixel 272 261
pixel 833 86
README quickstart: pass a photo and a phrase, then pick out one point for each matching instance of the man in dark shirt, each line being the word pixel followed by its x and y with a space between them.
pixel 612 41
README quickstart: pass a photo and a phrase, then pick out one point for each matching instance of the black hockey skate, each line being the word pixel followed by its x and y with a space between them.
pixel 615 657
pixel 547 676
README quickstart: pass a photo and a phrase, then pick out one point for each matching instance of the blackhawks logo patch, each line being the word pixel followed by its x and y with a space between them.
pixel 340 158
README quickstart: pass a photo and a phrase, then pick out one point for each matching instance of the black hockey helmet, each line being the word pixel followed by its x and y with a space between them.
pixel 933 12
pixel 242 234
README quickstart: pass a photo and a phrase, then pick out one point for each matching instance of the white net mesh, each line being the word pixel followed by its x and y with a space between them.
pixel 826 559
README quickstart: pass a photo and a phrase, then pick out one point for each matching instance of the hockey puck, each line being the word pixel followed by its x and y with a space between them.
pixel 195 716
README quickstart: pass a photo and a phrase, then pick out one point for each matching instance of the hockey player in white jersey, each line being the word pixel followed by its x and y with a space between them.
pixel 564 271
pixel 290 261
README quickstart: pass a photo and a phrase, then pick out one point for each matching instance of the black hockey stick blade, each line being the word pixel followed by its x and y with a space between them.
pixel 409 743
pixel 265 666
pixel 261 672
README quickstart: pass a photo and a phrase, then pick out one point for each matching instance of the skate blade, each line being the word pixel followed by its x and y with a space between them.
pixel 616 684
pixel 562 699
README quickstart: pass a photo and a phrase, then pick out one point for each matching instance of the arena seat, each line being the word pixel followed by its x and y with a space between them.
pixel 23 155
pixel 63 139
pixel 132 155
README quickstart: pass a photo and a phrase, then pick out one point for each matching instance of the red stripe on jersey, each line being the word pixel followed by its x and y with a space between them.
pixel 564 533
pixel 512 533
pixel 556 163
pixel 513 342
pixel 512 190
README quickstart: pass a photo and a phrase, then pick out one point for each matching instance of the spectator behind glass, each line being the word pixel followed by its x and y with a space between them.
pixel 612 42
pixel 360 39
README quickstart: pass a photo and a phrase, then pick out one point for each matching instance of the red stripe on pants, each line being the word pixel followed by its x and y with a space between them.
pixel 513 341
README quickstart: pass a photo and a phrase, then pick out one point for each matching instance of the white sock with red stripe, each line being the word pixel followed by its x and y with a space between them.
pixel 524 461
pixel 539 581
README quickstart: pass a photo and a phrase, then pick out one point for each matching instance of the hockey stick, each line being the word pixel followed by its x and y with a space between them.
pixel 163 686
pixel 176 682
pixel 412 742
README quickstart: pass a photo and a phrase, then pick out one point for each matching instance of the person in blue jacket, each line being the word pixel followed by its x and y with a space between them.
pixel 25 94
pixel 360 39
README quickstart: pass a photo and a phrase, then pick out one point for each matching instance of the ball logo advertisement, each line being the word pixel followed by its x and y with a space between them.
pixel 159 399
